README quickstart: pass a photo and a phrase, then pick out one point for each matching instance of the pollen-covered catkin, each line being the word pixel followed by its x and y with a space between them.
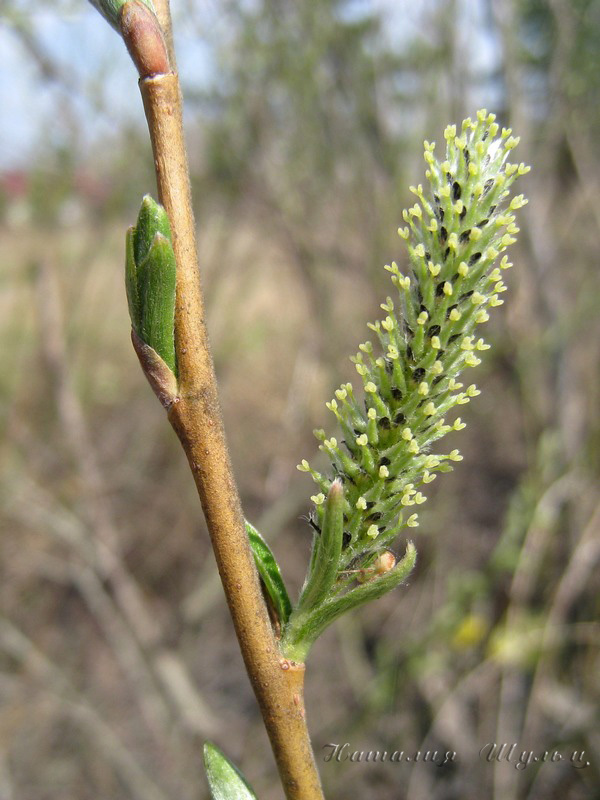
pixel 460 226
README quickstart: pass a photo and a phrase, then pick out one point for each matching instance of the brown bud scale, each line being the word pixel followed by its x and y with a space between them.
pixel 144 39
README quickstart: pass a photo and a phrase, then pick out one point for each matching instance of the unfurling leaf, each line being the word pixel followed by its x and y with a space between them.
pixel 157 293
pixel 150 279
pixel 269 571
pixel 327 548
pixel 305 627
pixel 151 220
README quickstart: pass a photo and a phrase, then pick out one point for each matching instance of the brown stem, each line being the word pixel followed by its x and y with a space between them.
pixel 196 417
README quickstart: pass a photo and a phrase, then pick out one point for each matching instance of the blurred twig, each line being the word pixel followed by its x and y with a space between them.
pixel 141 633
pixel 53 681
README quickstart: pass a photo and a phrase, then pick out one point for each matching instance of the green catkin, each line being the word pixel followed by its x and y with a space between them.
pixel 459 228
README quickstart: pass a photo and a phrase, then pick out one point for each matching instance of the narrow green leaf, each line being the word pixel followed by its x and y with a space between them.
pixel 152 219
pixel 269 571
pixel 225 780
pixel 305 627
pixel 131 283
pixel 328 548
pixel 156 282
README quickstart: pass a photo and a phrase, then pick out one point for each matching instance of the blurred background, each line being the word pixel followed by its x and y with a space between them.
pixel 305 124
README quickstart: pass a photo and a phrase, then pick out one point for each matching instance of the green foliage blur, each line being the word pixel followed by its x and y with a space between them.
pixel 117 658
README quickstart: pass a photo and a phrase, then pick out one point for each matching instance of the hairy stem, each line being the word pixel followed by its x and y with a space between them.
pixel 196 417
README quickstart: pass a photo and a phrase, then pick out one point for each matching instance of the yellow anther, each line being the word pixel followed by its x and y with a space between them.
pixel 472 360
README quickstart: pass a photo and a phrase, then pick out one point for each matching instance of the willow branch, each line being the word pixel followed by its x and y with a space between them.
pixel 196 417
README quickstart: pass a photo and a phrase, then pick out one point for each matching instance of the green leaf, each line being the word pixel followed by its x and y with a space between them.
pixel 305 627
pixel 269 571
pixel 152 219
pixel 156 283
pixel 327 550
pixel 225 780
pixel 131 283
pixel 150 281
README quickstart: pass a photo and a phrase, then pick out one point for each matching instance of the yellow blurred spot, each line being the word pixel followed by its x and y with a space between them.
pixel 470 632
